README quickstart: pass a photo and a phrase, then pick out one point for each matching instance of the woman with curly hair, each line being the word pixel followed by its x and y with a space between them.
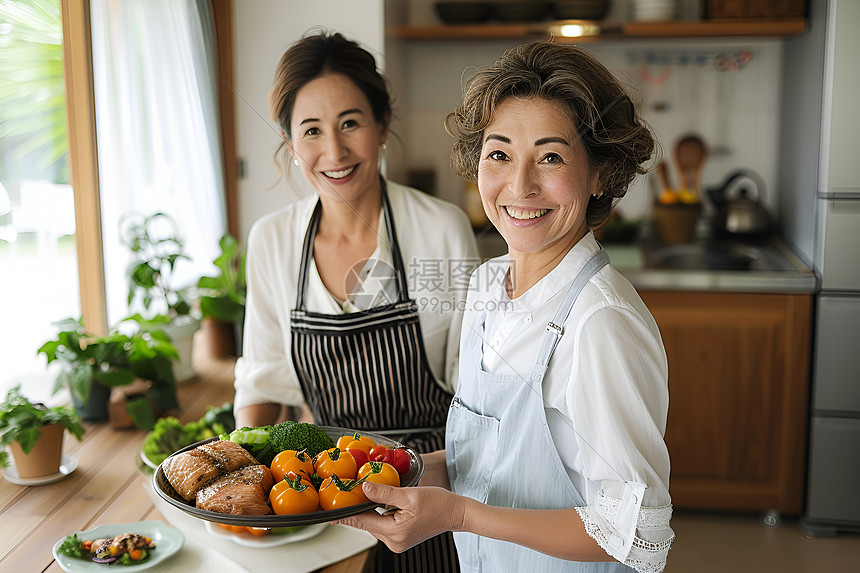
pixel 555 459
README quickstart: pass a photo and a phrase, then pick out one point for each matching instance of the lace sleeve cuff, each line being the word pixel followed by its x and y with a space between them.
pixel 647 549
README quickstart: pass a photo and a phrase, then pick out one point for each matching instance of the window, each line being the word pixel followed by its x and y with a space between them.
pixel 37 215
pixel 67 248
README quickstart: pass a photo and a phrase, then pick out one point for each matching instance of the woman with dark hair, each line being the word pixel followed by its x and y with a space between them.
pixel 335 280
pixel 555 459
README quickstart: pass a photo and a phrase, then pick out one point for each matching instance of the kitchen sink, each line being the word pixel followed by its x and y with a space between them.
pixel 718 256
pixel 713 265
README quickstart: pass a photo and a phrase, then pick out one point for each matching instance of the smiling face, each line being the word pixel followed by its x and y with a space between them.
pixel 534 179
pixel 336 139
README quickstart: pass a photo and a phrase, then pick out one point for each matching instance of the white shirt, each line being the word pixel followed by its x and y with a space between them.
pixel 439 252
pixel 605 392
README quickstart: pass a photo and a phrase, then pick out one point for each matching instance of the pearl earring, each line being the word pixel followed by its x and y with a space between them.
pixel 296 162
pixel 384 147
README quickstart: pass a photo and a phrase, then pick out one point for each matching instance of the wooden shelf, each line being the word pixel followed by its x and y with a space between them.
pixel 715 29
pixel 609 31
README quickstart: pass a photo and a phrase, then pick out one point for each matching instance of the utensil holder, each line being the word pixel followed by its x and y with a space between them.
pixel 676 222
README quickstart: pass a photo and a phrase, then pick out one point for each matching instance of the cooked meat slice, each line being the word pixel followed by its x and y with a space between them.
pixel 228 455
pixel 189 471
pixel 241 492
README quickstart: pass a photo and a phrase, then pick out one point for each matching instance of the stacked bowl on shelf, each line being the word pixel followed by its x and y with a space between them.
pixel 653 10
pixel 520 10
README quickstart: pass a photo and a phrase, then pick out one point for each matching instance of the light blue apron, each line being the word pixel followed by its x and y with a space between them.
pixel 500 450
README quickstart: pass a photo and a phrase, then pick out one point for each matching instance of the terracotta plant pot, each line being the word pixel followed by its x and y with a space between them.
pixel 219 337
pixel 118 416
pixel 45 457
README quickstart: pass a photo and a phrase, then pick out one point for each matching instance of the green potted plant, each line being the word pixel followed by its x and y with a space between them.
pixel 156 247
pixel 33 433
pixel 131 367
pixel 222 298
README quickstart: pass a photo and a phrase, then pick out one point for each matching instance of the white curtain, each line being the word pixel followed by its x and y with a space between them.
pixel 155 75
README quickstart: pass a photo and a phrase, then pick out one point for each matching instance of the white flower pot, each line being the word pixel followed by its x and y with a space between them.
pixel 181 331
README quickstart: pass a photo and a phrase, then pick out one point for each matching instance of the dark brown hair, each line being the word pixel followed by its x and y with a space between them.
pixel 616 140
pixel 320 53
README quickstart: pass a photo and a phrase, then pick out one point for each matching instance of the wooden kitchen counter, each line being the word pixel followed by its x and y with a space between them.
pixel 107 486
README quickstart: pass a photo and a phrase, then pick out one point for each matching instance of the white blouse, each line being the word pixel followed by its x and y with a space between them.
pixel 439 253
pixel 606 395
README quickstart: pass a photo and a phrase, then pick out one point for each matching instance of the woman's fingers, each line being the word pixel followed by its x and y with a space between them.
pixel 423 512
pixel 368 521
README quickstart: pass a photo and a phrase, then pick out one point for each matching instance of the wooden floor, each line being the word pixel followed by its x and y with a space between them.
pixel 714 542
pixel 720 543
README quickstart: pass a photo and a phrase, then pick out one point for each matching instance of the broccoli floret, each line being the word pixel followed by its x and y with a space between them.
pixel 279 435
pixel 300 436
pixel 167 436
pixel 256 441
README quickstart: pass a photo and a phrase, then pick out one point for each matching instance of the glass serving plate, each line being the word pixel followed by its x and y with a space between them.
pixel 167 493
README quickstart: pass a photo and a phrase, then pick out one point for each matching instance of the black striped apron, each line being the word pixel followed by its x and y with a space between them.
pixel 368 371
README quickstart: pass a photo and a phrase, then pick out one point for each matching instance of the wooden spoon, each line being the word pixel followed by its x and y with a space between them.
pixel 663 175
pixel 690 155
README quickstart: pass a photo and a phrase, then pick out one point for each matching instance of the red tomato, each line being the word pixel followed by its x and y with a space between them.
pixel 336 493
pixel 335 461
pixel 359 455
pixel 376 453
pixel 288 461
pixel 399 458
pixel 292 496
pixel 379 472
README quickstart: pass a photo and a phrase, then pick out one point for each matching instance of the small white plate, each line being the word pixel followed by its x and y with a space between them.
pixel 167 542
pixel 68 464
pixel 271 540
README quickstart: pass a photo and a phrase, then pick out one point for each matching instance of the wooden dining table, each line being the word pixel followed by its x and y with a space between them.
pixel 107 487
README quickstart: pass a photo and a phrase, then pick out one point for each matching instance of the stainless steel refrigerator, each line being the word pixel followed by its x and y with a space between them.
pixel 833 502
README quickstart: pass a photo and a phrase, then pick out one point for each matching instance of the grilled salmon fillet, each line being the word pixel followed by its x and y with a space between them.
pixel 189 471
pixel 241 492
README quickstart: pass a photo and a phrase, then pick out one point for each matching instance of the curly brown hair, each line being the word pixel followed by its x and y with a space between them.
pixel 617 142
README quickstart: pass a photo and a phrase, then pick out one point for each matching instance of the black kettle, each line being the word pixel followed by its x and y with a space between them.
pixel 739 211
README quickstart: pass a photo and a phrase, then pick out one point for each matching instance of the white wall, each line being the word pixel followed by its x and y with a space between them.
pixel 263 30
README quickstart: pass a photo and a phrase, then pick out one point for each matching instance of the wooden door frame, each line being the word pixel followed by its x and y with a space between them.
pixel 83 161
pixel 222 12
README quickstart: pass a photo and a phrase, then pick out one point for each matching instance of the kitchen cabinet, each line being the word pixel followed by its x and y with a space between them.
pixel 738 393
